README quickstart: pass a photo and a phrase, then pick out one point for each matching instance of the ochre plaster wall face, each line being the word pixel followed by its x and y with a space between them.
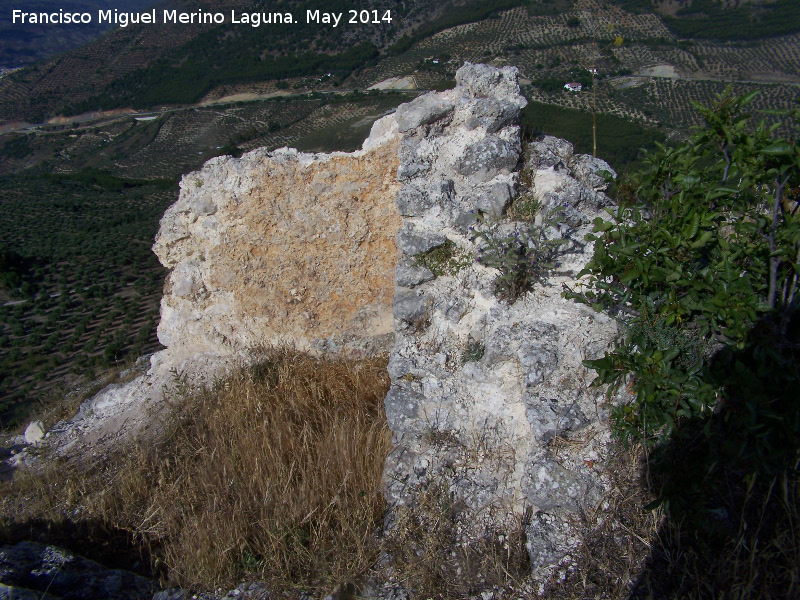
pixel 282 248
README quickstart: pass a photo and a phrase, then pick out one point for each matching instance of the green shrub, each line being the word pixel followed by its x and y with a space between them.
pixel 700 262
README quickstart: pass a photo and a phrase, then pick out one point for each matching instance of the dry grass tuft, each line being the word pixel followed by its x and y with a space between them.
pixel 430 565
pixel 274 474
pixel 748 547
pixel 616 535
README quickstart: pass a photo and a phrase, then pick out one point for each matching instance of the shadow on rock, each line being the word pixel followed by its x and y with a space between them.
pixel 30 569
pixel 730 485
pixel 86 560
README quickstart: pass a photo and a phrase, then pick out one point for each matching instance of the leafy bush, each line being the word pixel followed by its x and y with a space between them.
pixel 700 262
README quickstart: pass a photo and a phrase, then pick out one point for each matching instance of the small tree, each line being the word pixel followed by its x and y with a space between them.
pixel 700 262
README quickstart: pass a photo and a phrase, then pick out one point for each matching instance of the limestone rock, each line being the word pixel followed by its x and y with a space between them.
pixel 409 274
pixel 414 201
pixel 38 571
pixel 422 111
pixel 561 148
pixel 484 159
pixel 490 400
pixel 484 81
pixel 488 113
pixel 412 242
pixel 410 307
pixel 34 432
pixel 592 172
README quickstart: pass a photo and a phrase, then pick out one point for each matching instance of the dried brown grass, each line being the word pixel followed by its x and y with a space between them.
pixel 273 474
pixel 616 535
pixel 431 563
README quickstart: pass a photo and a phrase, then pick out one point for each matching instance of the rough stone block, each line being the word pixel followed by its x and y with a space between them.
pixel 587 170
pixel 422 111
pixel 486 158
pixel 551 487
pixel 495 199
pixel 402 409
pixel 410 170
pixel 34 432
pixel 203 206
pixel 409 274
pixel 412 243
pixel 490 114
pixel 409 306
pixel 412 201
pixel 559 147
pixel 484 81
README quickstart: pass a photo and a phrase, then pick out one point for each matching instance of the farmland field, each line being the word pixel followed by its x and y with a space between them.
pixel 88 284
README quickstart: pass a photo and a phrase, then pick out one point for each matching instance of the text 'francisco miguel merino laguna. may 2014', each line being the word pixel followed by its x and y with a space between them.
pixel 200 17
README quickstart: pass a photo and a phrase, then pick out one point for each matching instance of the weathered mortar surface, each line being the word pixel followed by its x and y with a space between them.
pixel 517 434
pixel 282 247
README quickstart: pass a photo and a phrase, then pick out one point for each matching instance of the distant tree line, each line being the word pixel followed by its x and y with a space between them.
pixel 708 19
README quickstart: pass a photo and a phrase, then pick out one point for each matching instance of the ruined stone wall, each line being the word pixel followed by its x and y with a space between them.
pixel 282 247
pixel 489 402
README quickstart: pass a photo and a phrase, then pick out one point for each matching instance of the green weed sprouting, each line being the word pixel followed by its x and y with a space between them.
pixel 473 352
pixel 447 259
pixel 522 257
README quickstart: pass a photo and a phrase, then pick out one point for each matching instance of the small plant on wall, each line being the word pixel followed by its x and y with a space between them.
pixel 522 256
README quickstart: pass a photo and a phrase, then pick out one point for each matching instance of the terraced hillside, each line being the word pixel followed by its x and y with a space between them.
pixel 149 65
pixel 644 71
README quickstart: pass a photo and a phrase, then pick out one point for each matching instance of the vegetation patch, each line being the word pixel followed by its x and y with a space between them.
pixel 447 259
pixel 523 257
pixel 473 352
pixel 273 474
pixel 701 262
pixel 425 560
pixel 80 285
pixel 746 21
